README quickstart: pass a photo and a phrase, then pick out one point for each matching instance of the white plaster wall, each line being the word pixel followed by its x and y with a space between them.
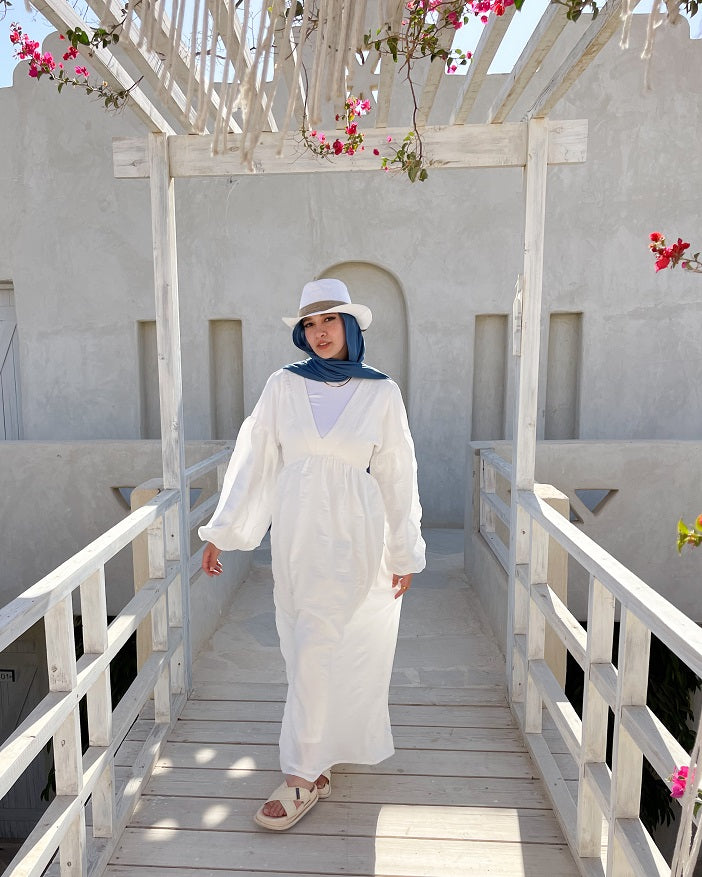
pixel 77 247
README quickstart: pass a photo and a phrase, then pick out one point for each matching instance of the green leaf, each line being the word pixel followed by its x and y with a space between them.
pixel 412 173
pixel 682 528
pixel 423 174
pixel 518 4
pixel 60 86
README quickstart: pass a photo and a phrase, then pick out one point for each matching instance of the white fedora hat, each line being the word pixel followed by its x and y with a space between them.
pixel 328 296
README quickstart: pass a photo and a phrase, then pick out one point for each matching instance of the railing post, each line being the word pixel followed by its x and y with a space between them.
pixel 68 757
pixel 627 759
pixel 159 621
pixel 527 382
pixel 538 568
pixel 600 628
pixel 93 606
pixel 169 362
pixel 140 562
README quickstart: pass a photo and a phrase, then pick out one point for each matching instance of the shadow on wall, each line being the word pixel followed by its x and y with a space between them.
pixel 386 339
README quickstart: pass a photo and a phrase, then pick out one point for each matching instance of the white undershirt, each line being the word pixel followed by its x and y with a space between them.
pixel 328 403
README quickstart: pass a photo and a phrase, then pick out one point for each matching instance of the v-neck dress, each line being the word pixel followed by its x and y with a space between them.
pixel 345 515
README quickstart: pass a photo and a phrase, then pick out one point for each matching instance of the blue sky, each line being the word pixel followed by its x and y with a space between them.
pixel 517 35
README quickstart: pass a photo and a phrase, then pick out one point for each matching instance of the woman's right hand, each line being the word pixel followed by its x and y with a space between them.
pixel 210 560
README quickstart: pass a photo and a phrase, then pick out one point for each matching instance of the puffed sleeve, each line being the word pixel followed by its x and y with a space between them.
pixel 245 506
pixel 394 467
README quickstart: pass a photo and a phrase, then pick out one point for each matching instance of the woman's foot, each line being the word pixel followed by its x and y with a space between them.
pixel 323 783
pixel 275 808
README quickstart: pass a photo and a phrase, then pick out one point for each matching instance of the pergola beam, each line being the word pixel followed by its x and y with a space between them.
pixel 485 51
pixel 540 44
pixel 64 16
pixel 435 75
pixel 462 146
pixel 150 65
pixel 579 59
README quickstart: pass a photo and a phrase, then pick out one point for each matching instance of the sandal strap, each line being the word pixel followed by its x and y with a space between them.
pixel 287 795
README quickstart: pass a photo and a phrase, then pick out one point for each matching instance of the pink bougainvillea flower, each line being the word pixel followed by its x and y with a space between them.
pixel 656 236
pixel 33 71
pixel 70 54
pixel 82 71
pixel 338 147
pixel 451 69
pixel 662 263
pixel 376 152
pixel 679 781
pixel 389 140
pixel 322 137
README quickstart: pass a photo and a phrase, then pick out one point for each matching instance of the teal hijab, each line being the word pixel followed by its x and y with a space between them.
pixel 319 369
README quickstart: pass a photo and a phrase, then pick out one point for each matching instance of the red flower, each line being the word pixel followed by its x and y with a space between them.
pixel 663 262
pixel 82 71
pixel 352 128
pixel 376 152
pixel 338 147
pixel 656 236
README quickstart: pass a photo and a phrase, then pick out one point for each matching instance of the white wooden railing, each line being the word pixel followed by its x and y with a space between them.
pixel 625 847
pixel 90 775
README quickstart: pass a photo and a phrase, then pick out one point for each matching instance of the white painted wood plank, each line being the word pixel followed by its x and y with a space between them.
pixel 408 695
pixel 163 231
pixel 536 633
pixel 405 761
pixel 462 146
pixel 566 719
pixel 435 76
pixel 198 470
pixel 488 44
pixel 640 849
pixel 579 59
pixel 444 716
pixel 405 736
pixel 627 759
pixel 358 820
pixel 595 718
pixel 562 621
pixel 502 467
pixel 539 45
pixel 359 787
pixel 381 856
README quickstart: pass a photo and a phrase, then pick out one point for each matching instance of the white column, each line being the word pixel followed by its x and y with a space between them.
pixel 169 366
pixel 527 386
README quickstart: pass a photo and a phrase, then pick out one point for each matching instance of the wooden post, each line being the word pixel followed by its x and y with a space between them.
pixel 93 607
pixel 527 386
pixel 140 564
pixel 169 367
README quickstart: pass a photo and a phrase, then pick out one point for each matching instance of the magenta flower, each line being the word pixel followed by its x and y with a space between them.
pixel 82 71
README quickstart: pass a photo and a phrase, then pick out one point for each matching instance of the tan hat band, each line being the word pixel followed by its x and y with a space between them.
pixel 319 306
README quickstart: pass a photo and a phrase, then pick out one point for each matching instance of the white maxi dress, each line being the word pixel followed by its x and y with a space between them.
pixel 338 533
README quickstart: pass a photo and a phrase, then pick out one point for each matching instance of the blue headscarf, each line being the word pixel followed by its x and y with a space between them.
pixel 319 369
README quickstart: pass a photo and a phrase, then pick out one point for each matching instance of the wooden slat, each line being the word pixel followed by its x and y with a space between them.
pixel 192 473
pixel 405 736
pixel 655 741
pixel 440 717
pixel 370 856
pixel 499 507
pixel 62 15
pixel 540 43
pixel 604 677
pixel 462 146
pixel 566 625
pixel 579 59
pixel 488 44
pixel 641 851
pixel 499 549
pixel 599 779
pixel 358 820
pixel 566 719
pixel 476 695
pixel 406 761
pixel 359 787
pixel 203 511
pixel 668 623
pixel 501 466
pixel 435 76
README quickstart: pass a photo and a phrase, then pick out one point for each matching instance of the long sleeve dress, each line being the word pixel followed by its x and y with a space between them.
pixel 344 514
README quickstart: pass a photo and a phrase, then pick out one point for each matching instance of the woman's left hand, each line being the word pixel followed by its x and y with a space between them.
pixel 402 582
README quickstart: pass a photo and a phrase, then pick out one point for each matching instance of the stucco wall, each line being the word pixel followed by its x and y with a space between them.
pixel 77 247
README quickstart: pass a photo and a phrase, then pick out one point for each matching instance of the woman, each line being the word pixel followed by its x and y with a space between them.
pixel 328 457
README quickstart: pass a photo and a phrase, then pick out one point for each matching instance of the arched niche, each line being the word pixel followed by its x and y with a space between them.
pixel 386 338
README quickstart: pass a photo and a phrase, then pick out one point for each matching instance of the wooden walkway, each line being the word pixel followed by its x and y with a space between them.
pixel 460 796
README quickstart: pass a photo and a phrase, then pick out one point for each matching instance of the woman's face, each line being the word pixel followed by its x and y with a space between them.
pixel 326 335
